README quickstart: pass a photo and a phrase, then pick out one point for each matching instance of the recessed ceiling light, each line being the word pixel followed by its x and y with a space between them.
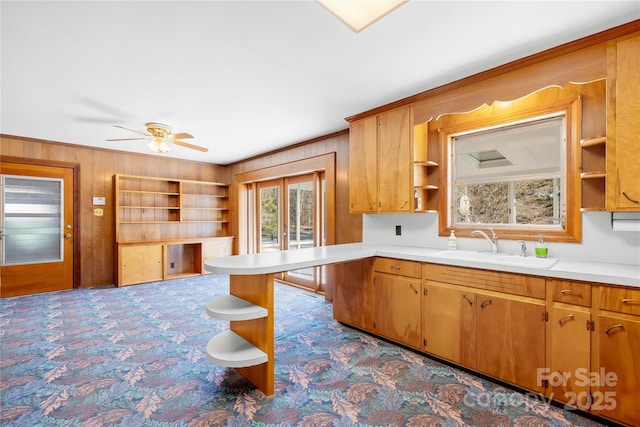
pixel 359 14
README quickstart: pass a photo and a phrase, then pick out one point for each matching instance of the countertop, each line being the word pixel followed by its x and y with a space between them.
pixel 275 262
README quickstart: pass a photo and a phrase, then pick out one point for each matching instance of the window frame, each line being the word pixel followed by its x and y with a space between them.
pixel 449 125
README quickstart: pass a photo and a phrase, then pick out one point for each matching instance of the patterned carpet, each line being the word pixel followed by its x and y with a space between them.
pixel 134 356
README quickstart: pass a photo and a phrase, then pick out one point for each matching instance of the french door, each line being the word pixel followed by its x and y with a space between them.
pixel 36 232
pixel 289 214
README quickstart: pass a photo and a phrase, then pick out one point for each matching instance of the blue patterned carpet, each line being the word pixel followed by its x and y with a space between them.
pixel 135 356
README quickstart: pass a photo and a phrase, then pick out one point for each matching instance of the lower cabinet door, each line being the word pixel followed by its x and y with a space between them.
pixel 139 264
pixel 570 356
pixel 511 339
pixel 396 308
pixel 618 376
pixel 352 293
pixel 449 323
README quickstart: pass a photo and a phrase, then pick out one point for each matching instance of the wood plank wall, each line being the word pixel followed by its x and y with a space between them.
pixel 348 226
pixel 97 167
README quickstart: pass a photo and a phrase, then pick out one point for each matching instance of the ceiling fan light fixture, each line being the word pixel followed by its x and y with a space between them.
pixel 158 145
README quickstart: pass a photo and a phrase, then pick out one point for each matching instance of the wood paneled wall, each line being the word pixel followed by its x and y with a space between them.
pixel 348 226
pixel 97 167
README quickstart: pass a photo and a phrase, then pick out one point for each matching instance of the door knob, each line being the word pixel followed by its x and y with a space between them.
pixel 67 236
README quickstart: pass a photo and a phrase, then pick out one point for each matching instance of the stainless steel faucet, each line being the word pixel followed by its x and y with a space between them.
pixel 493 241
pixel 523 248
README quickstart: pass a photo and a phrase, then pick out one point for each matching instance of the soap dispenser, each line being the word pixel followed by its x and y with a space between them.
pixel 541 248
pixel 452 241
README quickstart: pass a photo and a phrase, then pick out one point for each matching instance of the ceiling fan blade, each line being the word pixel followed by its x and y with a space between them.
pixel 132 130
pixel 187 145
pixel 183 135
pixel 126 139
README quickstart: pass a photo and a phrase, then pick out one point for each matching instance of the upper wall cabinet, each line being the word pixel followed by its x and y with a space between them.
pixel 381 163
pixel 623 125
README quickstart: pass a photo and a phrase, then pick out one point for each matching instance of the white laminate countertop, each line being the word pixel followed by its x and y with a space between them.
pixel 275 262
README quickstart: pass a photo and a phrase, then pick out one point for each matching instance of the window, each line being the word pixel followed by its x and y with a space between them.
pixel 511 174
pixel 512 166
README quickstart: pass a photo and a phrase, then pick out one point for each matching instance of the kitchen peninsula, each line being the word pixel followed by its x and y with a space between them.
pixel 563 291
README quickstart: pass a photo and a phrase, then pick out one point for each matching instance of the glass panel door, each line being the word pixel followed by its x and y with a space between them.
pixel 269 208
pixel 32 220
pixel 301 216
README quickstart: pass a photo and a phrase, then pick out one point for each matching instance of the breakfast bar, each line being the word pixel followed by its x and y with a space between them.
pixel 248 346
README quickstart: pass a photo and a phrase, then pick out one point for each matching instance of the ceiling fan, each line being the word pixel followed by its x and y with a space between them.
pixel 159 137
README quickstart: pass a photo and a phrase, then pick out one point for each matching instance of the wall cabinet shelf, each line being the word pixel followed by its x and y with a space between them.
pixel 185 221
pixel 593 173
pixel 425 170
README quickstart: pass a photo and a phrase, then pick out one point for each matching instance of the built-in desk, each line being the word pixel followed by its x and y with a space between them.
pixel 251 280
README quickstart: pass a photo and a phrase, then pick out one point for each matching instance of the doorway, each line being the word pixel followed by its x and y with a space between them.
pixel 289 214
pixel 37 228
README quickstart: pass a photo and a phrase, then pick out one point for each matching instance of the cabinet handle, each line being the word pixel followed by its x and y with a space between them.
pixel 571 291
pixel 413 287
pixel 564 319
pixel 485 303
pixel 396 267
pixel 610 328
pixel 404 204
pixel 630 301
pixel 467 299
pixel 629 198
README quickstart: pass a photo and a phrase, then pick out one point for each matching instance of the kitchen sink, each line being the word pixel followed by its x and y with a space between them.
pixel 497 258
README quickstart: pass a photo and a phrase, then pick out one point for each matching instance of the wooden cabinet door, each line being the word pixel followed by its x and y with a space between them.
pixel 449 323
pixel 396 308
pixel 215 249
pixel 395 165
pixel 352 293
pixel 623 126
pixel 569 355
pixel 511 339
pixel 363 166
pixel 140 264
pixel 619 355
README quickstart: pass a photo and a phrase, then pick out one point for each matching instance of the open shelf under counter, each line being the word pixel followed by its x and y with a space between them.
pixel 230 307
pixel 231 350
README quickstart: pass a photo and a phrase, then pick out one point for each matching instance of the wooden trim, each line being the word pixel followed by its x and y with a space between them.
pixel 290 147
pixel 567 100
pixel 76 203
pixel 555 52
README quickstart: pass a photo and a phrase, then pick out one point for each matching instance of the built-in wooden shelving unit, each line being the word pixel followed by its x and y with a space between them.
pixel 166 228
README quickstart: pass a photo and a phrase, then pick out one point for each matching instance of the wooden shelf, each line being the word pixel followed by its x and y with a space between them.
pixel 426 163
pixel 231 350
pixel 426 187
pixel 593 175
pixel 593 141
pixel 188 220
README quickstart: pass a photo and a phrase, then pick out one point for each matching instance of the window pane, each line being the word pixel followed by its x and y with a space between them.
pixel 535 202
pixel 269 205
pixel 32 220
pixel 488 203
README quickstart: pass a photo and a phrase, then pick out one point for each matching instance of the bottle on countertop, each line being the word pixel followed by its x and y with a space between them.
pixel 452 241
pixel 541 248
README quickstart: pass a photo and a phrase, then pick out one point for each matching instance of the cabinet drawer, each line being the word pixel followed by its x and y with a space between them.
pixel 517 284
pixel 571 292
pixel 622 300
pixel 398 267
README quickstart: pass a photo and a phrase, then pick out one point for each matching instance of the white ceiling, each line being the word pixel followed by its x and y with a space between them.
pixel 247 77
